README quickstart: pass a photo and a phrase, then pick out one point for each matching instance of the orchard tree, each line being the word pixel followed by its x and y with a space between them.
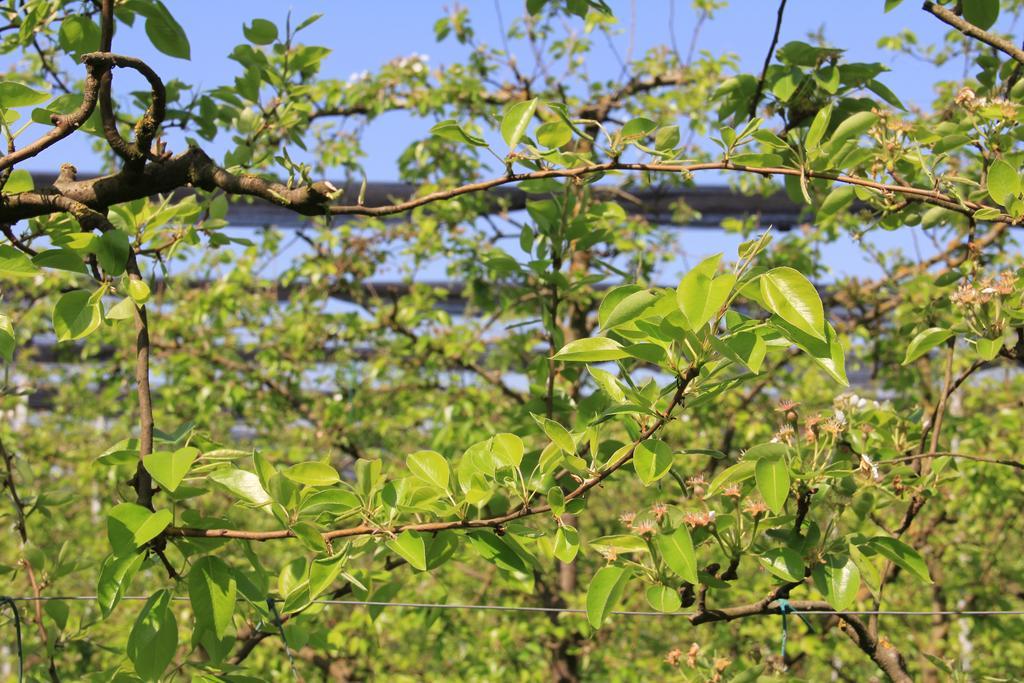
pixel 248 430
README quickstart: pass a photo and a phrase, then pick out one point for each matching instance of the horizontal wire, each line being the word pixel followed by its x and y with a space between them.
pixel 516 608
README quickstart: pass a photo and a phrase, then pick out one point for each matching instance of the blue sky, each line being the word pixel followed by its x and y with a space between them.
pixel 364 35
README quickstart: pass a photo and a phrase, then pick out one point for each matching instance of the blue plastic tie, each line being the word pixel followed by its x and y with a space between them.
pixel 784 609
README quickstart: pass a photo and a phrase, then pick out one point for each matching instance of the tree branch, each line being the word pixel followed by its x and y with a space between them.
pixel 767 61
pixel 490 522
pixel 972 31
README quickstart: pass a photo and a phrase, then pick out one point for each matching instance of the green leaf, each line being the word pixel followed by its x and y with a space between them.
pixel 13 263
pixel 637 128
pixel 508 449
pixel 818 127
pixel 410 546
pixel 590 350
pixel 168 468
pixel 516 120
pixel 785 563
pixel 112 249
pixel 734 474
pixel 164 31
pixel 652 460
pixel 891 4
pixel 852 126
pixel 61 259
pixel 630 308
pixel 494 549
pixel 14 94
pixel 566 543
pixel 677 551
pixel 153 526
pixel 260 32
pixel 429 466
pixel 924 341
pixel 667 138
pixel 604 593
pixel 313 474
pixel 213 591
pixel 558 434
pixel 608 383
pixel 772 477
pixel 154 637
pixel 241 484
pixel 828 354
pixel 79 34
pixel 554 134
pixel 663 598
pixel 901 554
pixel 882 91
pixel 1003 182
pixel 838 580
pixel 451 130
pixel 75 316
pixel 836 200
pixel 7 338
pixel 20 180
pixel 981 13
pixel 116 576
pixel 791 296
pixel 620 544
pixel 700 295
pixel 988 349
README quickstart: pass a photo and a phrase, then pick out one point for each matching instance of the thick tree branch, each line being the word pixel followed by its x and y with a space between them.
pixel 888 659
pixel 972 31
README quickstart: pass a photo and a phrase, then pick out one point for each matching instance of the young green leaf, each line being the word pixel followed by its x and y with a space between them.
pixel 818 127
pixel 313 474
pixel 701 295
pixel 451 130
pixel 558 434
pixel 213 591
pixel 677 551
pixel 652 460
pixel 791 296
pixel 772 477
pixel 604 593
pixel 7 339
pixel 785 563
pixel 496 550
pixel 924 341
pixel 15 264
pixel 260 32
pixel 516 121
pixel 734 474
pixel 410 546
pixel 154 637
pixel 663 598
pixel 429 466
pixel 566 543
pixel 241 484
pixel 75 316
pixel 554 134
pixel 591 350
pixel 838 579
pixel 630 308
pixel 1003 182
pixel 168 468
pixel 901 554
